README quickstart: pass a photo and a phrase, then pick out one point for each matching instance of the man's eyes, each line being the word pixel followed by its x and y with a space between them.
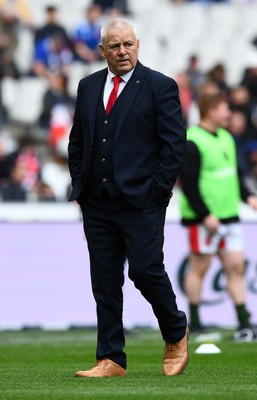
pixel 117 46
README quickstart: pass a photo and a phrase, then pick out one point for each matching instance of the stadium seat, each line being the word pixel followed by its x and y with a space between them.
pixel 9 92
pixel 77 71
pixel 26 106
pixel 24 52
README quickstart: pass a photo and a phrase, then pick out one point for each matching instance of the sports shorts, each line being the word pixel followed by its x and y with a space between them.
pixel 228 238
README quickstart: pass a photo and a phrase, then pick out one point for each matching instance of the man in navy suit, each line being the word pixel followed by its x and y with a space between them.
pixel 124 163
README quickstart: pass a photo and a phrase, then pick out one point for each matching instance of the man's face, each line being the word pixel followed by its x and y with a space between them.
pixel 52 16
pixel 120 50
pixel 220 115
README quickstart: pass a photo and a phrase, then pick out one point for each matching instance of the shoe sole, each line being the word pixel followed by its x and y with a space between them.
pixel 181 372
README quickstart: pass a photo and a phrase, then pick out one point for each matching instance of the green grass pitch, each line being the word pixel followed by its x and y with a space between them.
pixel 39 365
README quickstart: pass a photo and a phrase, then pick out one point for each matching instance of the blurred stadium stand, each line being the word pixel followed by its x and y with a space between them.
pixel 169 34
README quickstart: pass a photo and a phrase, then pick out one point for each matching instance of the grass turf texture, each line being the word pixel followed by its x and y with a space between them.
pixel 40 365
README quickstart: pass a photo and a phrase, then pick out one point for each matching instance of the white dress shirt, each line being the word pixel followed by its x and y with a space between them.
pixel 109 84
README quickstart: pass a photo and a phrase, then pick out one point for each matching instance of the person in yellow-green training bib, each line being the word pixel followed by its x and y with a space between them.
pixel 209 202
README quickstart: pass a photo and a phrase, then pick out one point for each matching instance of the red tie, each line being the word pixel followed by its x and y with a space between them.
pixel 113 96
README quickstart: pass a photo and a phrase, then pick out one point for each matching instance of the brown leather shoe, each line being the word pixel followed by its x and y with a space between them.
pixel 101 369
pixel 175 357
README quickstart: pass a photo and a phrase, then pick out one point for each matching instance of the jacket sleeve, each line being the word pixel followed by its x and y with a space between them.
pixel 189 180
pixel 171 132
pixel 75 145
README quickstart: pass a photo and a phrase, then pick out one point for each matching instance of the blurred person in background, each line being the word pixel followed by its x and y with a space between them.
pixel 53 52
pixel 208 87
pixel 217 74
pixel 251 177
pixel 19 9
pixel 13 189
pixel 56 93
pixel 111 7
pixel 29 159
pixel 60 124
pixel 195 75
pixel 87 35
pixel 43 192
pixel 52 56
pixel 185 93
pixel 8 154
pixel 238 129
pixel 51 27
pixel 210 198
pixel 250 82
pixel 8 43
pixel 239 100
pixel 56 175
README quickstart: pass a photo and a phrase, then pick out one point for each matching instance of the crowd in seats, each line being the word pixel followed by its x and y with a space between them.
pixel 41 64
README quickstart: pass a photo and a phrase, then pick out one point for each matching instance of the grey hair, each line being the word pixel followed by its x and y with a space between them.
pixel 116 23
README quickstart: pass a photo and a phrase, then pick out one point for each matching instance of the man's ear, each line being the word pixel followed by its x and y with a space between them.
pixel 101 49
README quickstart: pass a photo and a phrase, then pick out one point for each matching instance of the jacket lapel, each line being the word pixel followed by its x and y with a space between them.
pixel 132 89
pixel 95 94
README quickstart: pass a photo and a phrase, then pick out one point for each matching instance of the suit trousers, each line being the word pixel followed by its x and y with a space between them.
pixel 115 231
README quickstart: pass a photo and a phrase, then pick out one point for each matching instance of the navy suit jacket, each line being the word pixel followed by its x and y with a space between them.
pixel 150 138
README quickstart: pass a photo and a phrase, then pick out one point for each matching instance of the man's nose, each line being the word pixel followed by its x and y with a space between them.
pixel 122 49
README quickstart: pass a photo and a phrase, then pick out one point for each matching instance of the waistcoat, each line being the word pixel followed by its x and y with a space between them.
pixel 101 173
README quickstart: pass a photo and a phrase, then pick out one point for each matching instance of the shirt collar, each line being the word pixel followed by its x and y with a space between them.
pixel 126 77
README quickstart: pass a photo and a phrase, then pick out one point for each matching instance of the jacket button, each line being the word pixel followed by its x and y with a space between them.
pixel 105 122
pixel 104 180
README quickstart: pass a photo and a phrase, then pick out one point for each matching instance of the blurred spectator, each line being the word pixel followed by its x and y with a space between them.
pixel 254 41
pixel 13 189
pixel 57 93
pixel 119 7
pixel 8 43
pixel 52 56
pixel 28 158
pixel 208 87
pixel 43 192
pixel 185 93
pixel 217 74
pixel 56 175
pixel 19 9
pixel 250 179
pixel 250 82
pixel 51 27
pixel 88 34
pixel 53 48
pixel 239 100
pixel 2 108
pixel 237 127
pixel 60 125
pixel 8 155
pixel 195 75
